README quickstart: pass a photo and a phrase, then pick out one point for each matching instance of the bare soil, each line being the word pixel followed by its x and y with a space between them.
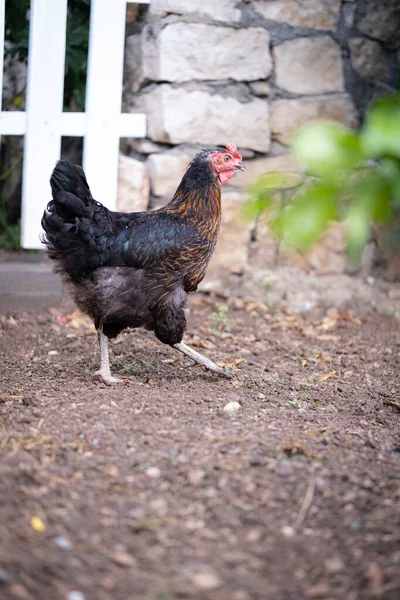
pixel 149 490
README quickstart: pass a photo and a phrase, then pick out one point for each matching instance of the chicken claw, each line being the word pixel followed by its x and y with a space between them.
pixel 107 378
pixel 201 359
pixel 104 372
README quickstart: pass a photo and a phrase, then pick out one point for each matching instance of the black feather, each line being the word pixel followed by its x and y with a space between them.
pixel 133 269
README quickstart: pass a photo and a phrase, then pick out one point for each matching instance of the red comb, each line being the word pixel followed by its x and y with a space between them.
pixel 233 150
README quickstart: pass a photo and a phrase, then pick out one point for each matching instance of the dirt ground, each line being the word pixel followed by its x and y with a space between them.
pixel 150 490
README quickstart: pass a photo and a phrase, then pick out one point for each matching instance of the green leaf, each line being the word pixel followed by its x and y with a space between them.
pixel 278 180
pixel 327 148
pixel 301 223
pixel 256 205
pixel 381 133
pixel 358 224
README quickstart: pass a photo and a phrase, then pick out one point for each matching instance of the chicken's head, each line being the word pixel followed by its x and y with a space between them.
pixel 226 162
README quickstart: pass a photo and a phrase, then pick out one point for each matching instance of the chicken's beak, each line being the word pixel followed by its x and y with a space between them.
pixel 240 166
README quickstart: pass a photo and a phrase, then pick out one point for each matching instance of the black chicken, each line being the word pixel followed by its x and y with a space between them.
pixel 136 269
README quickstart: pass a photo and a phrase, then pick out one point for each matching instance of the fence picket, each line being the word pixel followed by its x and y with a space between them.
pixel 43 123
pixel 44 104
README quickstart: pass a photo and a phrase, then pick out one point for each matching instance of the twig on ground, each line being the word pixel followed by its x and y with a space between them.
pixel 392 403
pixel 308 498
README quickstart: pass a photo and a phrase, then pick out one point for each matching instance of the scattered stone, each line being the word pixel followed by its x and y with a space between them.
pixel 321 590
pixel 206 580
pixel 369 59
pixel 153 472
pixel 223 10
pixel 52 353
pixel 159 506
pixel 177 116
pixel 16 590
pixel 75 595
pixel 334 565
pixel 186 52
pixel 309 65
pixel 133 185
pixel 196 476
pixel 231 408
pixel 63 543
pixel 4 576
pixel 288 531
pixel 316 14
pixel 112 471
pixel 254 535
pixel 288 115
pixel 123 559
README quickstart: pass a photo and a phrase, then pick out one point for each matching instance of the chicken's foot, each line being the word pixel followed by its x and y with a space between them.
pixel 104 372
pixel 201 359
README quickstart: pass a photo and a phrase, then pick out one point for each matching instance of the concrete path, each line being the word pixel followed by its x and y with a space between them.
pixel 27 284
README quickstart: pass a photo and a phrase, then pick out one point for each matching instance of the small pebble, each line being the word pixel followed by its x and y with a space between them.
pixel 75 595
pixel 52 353
pixel 196 476
pixel 231 408
pixel 206 581
pixel 334 565
pixel 321 590
pixel 153 472
pixel 123 559
pixel 4 576
pixel 288 531
pixel 63 543
pixel 159 506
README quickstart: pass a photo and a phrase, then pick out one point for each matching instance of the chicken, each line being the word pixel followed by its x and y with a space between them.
pixel 136 269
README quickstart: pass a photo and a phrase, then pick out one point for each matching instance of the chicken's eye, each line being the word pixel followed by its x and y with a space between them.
pixel 227 157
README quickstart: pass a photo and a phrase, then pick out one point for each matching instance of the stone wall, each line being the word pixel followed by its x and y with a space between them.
pixel 252 71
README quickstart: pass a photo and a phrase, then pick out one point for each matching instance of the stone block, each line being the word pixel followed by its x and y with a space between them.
pixel 178 116
pixel 133 185
pixel 187 51
pixel 380 20
pixel 316 14
pixel 328 256
pixel 231 253
pixel 218 10
pixel 259 166
pixel 288 115
pixel 369 59
pixel 166 170
pixel 309 66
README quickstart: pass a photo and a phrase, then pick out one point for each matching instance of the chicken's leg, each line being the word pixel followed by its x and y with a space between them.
pixel 105 372
pixel 201 359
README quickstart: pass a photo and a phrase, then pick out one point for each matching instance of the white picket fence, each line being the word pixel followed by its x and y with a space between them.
pixel 44 122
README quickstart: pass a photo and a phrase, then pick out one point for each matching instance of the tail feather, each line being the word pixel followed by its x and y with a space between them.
pixel 70 178
pixel 72 222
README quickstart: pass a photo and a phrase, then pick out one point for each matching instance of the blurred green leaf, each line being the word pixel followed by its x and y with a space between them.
pixel 257 204
pixel 381 133
pixel 277 180
pixel 327 148
pixel 358 226
pixel 305 218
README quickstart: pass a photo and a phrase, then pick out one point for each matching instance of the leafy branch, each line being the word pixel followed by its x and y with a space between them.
pixel 351 177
